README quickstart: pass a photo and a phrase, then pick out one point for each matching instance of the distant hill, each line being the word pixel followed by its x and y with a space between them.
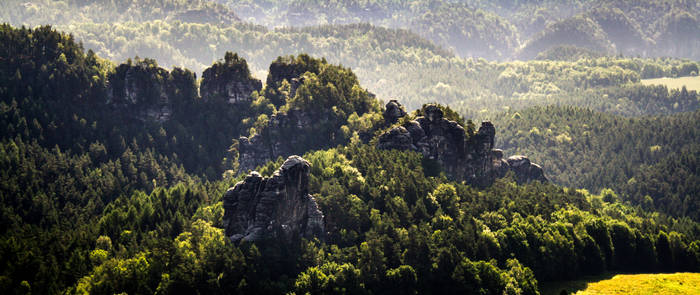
pixel 567 53
pixel 577 31
pixel 497 29
pixel 45 12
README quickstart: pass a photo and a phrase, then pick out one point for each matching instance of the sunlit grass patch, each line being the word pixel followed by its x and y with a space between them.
pixel 690 83
pixel 676 283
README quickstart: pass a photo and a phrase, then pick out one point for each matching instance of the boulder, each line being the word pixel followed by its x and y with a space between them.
pixel 524 169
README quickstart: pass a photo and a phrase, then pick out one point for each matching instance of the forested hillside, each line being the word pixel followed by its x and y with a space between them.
pixel 650 161
pixel 499 29
pixel 385 60
pixel 44 12
pixel 113 176
pixel 424 52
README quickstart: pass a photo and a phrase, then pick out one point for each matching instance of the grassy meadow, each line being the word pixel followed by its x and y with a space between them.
pixel 671 283
pixel 690 83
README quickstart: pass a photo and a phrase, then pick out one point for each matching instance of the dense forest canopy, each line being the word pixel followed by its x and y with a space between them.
pixel 650 161
pixel 124 122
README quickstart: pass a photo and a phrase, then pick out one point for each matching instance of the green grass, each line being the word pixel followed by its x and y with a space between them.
pixel 690 83
pixel 675 283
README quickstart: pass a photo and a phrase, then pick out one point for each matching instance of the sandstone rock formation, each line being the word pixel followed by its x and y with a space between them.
pixel 468 158
pixel 275 207
pixel 229 81
pixel 138 88
pixel 393 111
pixel 524 169
pixel 275 140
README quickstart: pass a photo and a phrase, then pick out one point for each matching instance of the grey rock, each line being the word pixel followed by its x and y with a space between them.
pixel 525 170
pixel 229 81
pixel 488 132
pixel 416 131
pixel 396 138
pixel 471 159
pixel 252 152
pixel 393 112
pixel 232 91
pixel 276 207
pixel 141 93
pixel 497 154
pixel 518 161
pixel 275 140
pixel 433 113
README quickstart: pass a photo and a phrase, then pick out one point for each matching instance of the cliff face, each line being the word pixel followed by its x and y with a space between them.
pixel 150 93
pixel 144 91
pixel 284 135
pixel 468 158
pixel 229 81
pixel 275 207
pixel 139 88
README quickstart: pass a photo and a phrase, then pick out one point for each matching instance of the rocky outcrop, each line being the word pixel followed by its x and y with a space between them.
pixel 229 81
pixel 289 70
pixel 468 158
pixel 142 89
pixel 285 134
pixel 393 111
pixel 276 207
pixel 318 118
pixel 524 169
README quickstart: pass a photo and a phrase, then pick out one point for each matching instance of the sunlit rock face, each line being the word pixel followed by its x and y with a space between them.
pixel 276 207
pixel 524 169
pixel 462 157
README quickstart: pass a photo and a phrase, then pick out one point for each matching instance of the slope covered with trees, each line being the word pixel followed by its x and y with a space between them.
pixel 99 195
pixel 650 161
pixel 389 43
pixel 43 12
pixel 648 28
pixel 385 60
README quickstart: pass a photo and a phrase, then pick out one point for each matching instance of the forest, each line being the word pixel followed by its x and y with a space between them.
pixel 395 53
pixel 120 133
